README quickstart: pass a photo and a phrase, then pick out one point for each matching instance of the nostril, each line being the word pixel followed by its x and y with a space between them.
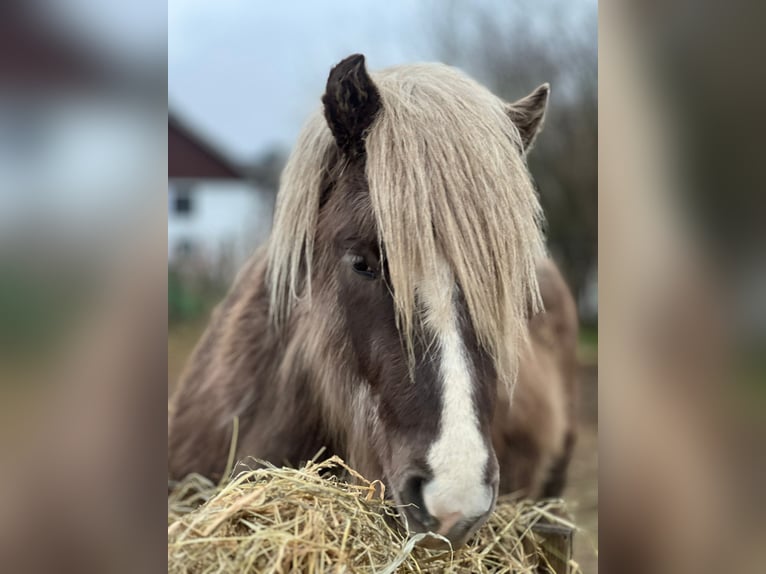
pixel 412 495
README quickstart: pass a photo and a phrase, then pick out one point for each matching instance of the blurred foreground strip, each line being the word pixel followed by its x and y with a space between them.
pixel 83 160
pixel 682 426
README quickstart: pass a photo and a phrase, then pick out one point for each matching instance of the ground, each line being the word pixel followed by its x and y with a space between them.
pixel 581 493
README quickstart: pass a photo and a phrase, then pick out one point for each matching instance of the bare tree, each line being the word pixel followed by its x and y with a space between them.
pixel 267 167
pixel 514 46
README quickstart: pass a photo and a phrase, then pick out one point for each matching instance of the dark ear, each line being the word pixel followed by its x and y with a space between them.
pixel 528 114
pixel 351 102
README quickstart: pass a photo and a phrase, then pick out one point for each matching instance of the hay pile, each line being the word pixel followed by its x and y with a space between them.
pixel 308 520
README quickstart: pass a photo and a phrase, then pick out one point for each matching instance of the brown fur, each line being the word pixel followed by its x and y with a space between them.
pixel 535 433
pixel 531 435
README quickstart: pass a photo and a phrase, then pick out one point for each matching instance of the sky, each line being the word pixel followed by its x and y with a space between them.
pixel 247 74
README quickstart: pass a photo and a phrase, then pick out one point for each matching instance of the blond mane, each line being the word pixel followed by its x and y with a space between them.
pixel 447 179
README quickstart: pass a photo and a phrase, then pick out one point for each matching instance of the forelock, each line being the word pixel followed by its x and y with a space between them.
pixel 446 179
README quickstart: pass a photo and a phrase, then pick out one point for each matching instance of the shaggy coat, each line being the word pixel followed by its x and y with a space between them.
pixel 395 316
pixel 231 371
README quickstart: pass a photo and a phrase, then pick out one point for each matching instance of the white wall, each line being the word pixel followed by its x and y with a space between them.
pixel 227 219
pixel 61 181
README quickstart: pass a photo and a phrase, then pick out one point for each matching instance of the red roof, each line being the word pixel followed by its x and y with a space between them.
pixel 33 54
pixel 190 157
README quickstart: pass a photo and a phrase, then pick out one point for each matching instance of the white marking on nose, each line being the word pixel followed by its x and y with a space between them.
pixel 459 455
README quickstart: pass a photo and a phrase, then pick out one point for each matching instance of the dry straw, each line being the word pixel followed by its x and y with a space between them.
pixel 310 520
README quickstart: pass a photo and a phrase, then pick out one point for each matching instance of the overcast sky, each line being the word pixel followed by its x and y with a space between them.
pixel 246 74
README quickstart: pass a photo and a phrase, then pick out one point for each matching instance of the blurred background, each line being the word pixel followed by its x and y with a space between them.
pixel 243 77
pixel 682 196
pixel 83 162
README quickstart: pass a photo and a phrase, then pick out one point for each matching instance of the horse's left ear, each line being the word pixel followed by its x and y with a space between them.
pixel 528 114
pixel 351 103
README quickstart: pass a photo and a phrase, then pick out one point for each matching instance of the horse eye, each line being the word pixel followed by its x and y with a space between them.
pixel 360 266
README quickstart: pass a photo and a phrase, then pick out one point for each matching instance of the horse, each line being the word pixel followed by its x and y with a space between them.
pixel 395 315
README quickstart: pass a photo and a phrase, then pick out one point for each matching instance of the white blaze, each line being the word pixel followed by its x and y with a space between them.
pixel 459 456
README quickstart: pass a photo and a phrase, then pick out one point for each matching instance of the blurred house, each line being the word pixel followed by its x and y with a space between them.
pixel 217 215
pixel 64 193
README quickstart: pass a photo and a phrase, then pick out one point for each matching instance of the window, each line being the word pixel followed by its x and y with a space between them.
pixel 182 203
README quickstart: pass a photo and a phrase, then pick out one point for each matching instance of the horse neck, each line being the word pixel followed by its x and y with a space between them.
pixel 309 369
pixel 314 369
